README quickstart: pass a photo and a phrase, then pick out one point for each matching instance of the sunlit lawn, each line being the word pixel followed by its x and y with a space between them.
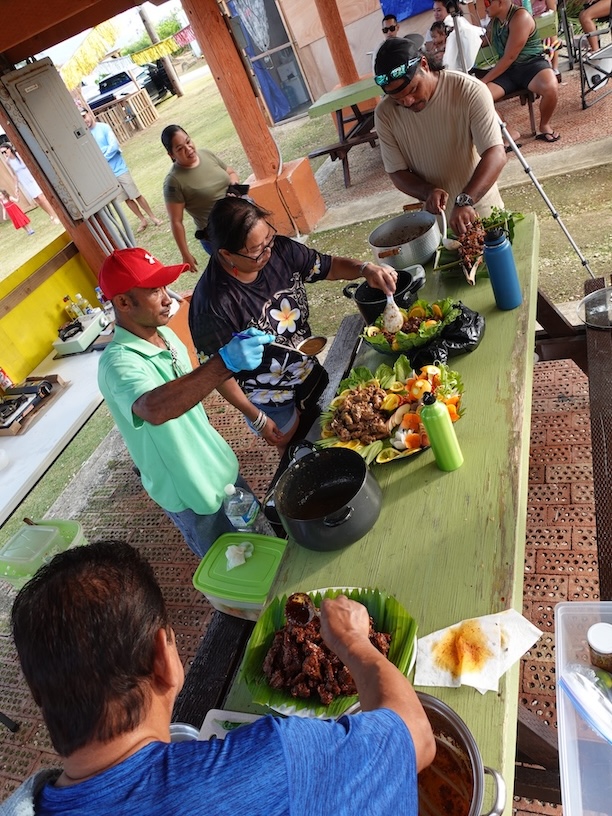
pixel 202 113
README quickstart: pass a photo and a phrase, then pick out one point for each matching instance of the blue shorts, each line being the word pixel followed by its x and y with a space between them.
pixel 284 415
pixel 206 246
pixel 201 532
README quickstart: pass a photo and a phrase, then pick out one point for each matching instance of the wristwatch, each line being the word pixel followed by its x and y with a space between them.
pixel 464 200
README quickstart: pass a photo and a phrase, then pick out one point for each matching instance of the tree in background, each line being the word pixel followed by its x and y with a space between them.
pixel 165 28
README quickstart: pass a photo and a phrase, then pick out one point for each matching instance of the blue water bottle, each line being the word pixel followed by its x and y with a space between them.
pixel 502 269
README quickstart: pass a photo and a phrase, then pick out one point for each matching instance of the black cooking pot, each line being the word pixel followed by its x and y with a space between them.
pixel 326 499
pixel 371 302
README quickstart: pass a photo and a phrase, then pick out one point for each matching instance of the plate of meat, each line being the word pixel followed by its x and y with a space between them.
pixel 376 413
pixel 289 669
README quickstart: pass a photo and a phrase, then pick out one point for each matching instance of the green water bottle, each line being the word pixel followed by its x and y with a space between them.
pixel 441 433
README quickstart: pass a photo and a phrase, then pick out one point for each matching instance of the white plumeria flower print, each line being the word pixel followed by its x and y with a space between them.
pixel 286 317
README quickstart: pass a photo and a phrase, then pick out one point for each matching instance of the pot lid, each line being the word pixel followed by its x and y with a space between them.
pixel 596 309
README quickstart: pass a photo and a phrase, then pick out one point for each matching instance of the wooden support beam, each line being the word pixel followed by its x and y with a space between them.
pixel 38 277
pixel 234 84
pixel 333 26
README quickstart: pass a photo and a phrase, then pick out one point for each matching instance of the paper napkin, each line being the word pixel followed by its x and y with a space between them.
pixel 474 652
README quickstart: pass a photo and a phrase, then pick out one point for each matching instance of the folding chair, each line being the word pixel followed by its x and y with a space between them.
pixel 595 68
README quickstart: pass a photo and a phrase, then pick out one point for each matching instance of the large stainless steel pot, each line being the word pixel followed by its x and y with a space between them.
pixel 371 302
pixel 326 499
pixel 407 239
pixel 457 763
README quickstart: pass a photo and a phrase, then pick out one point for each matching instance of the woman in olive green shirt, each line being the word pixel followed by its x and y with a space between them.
pixel 197 179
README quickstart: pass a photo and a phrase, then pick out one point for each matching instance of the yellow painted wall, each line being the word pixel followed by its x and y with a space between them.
pixel 28 330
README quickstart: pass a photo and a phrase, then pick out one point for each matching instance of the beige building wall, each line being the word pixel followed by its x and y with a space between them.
pixel 362 21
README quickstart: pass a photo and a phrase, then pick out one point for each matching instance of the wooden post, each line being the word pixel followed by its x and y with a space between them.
pixel 337 41
pixel 234 85
pixel 166 61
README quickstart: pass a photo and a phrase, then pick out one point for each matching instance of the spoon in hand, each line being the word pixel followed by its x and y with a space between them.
pixel 393 320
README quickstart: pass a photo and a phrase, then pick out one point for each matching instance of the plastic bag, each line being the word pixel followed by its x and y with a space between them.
pixel 462 335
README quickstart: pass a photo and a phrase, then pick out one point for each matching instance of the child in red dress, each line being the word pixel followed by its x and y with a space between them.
pixel 15 213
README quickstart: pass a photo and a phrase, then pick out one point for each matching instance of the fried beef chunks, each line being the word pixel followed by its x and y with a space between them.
pixel 360 416
pixel 299 661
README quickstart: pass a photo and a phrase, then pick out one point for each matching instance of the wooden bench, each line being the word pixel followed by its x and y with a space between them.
pixel 340 150
pixel 222 647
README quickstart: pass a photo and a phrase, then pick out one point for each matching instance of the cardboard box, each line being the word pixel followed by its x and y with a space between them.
pixel 58 385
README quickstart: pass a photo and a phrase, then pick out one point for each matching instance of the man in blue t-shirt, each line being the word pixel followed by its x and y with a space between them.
pixel 100 657
pixel 109 145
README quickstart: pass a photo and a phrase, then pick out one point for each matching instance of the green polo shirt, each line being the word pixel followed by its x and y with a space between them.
pixel 184 463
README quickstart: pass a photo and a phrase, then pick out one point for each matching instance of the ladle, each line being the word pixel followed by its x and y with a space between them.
pixel 393 320
pixel 299 609
pixel 448 243
pixel 309 347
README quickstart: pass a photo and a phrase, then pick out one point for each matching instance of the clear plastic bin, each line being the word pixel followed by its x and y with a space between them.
pixel 585 758
pixel 33 545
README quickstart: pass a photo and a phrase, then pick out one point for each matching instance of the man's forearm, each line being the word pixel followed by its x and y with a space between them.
pixel 380 684
pixel 175 398
pixel 412 184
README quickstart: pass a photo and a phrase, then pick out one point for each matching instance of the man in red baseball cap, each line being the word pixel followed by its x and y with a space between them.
pixel 155 397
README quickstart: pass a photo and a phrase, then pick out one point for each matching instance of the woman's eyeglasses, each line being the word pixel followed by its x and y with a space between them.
pixel 387 29
pixel 396 73
pixel 267 246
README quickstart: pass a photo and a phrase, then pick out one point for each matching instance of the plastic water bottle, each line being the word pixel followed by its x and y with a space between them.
pixel 502 269
pixel 441 432
pixel 241 507
pixel 83 304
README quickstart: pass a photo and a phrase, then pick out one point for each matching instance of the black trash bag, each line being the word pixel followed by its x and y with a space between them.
pixel 462 335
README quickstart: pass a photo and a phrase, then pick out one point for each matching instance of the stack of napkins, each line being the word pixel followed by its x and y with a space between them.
pixel 474 652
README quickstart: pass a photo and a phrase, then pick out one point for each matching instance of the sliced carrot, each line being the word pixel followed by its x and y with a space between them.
pixel 452 410
pixel 454 400
pixel 411 421
pixel 437 311
pixel 413 441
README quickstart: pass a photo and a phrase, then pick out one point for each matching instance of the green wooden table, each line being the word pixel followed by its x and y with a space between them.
pixel 450 546
pixel 354 126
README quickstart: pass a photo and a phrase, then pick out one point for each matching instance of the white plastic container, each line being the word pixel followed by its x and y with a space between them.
pixel 585 758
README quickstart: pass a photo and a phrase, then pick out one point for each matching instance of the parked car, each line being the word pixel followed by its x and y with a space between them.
pixel 121 84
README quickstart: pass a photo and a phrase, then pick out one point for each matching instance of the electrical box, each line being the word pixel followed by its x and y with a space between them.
pixel 43 111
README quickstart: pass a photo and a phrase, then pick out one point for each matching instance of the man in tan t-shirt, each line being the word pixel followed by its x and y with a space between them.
pixel 440 136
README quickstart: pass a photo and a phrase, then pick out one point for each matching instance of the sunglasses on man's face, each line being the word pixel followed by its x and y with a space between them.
pixel 396 73
pixel 386 29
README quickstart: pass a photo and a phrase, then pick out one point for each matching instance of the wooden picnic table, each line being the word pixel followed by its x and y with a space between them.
pixel 450 546
pixel 353 125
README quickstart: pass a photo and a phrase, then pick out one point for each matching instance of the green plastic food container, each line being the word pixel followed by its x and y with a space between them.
pixel 240 591
pixel 33 545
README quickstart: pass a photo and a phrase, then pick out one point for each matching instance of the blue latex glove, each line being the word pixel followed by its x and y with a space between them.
pixel 244 352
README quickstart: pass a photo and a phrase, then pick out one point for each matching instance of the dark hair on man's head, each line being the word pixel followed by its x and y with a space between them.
pixel 453 7
pixel 389 18
pixel 85 628
pixel 167 135
pixel 230 221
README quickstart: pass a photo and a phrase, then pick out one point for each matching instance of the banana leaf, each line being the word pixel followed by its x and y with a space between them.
pixel 388 616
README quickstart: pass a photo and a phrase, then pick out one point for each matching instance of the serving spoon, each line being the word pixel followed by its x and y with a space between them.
pixel 448 243
pixel 309 347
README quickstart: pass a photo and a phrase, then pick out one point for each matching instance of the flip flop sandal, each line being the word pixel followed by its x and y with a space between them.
pixel 549 138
